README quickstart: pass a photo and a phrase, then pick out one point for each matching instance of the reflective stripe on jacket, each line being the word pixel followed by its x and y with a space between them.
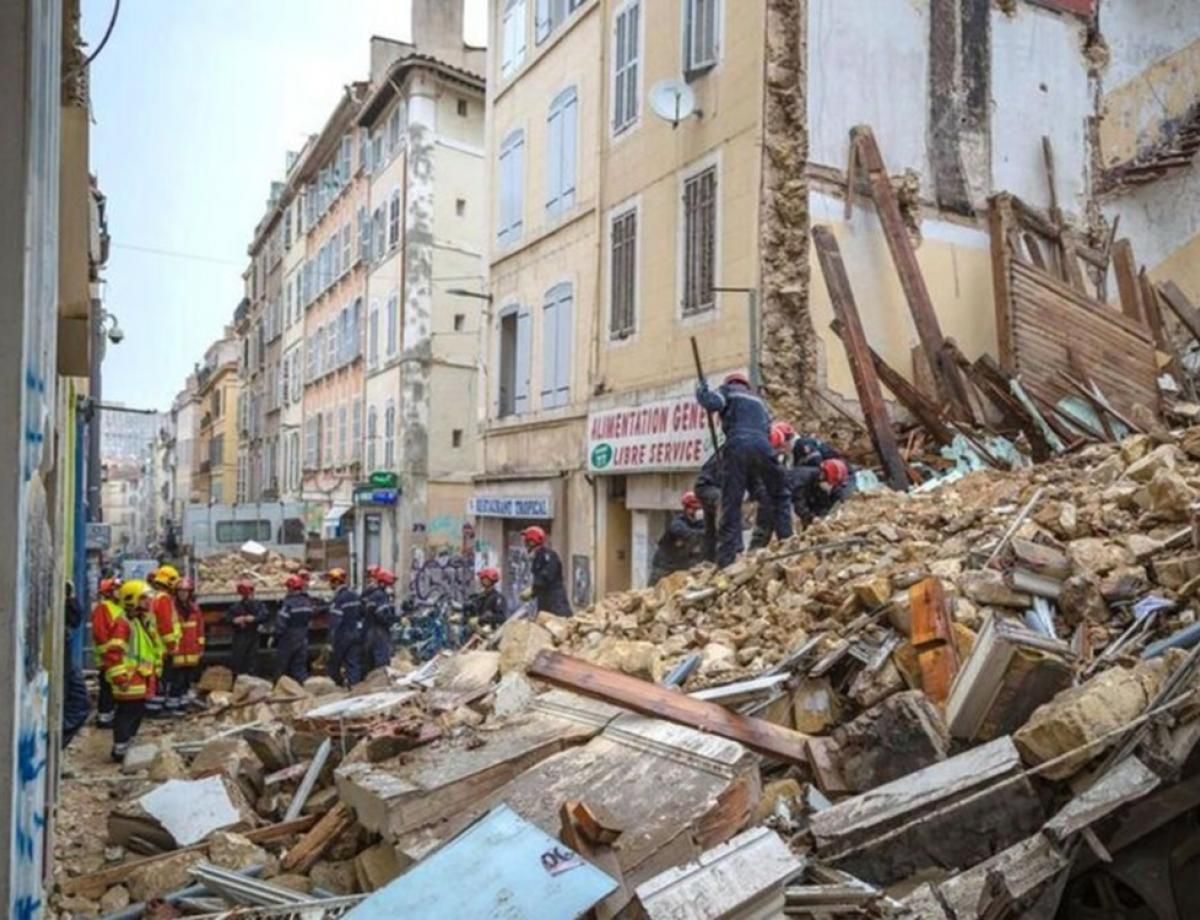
pixel 104 618
pixel 133 676
pixel 166 619
pixel 191 638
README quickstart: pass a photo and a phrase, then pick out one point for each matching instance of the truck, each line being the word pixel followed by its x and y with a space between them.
pixel 209 530
pixel 219 634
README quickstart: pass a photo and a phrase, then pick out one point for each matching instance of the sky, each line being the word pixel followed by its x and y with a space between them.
pixel 195 104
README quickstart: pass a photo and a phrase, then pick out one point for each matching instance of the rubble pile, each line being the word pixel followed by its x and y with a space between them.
pixel 267 570
pixel 930 705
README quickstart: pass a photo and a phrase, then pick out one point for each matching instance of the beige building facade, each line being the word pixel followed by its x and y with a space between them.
pixel 218 387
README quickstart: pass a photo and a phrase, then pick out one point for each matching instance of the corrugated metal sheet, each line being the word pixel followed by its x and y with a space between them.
pixel 1050 319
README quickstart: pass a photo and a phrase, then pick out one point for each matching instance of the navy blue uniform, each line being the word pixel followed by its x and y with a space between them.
pixel 548 588
pixel 244 618
pixel 489 607
pixel 809 450
pixel 708 490
pixel 291 636
pixel 379 614
pixel 808 498
pixel 346 630
pixel 679 547
pixel 76 704
pixel 747 460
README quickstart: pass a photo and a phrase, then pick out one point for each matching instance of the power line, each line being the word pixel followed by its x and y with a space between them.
pixel 175 254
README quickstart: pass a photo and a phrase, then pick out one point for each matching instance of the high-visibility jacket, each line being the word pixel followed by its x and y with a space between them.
pixel 166 620
pixel 104 618
pixel 191 639
pixel 132 670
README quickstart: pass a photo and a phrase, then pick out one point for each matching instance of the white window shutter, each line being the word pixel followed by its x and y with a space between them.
pixel 554 159
pixel 563 346
pixel 524 346
pixel 569 140
pixel 549 373
pixel 542 20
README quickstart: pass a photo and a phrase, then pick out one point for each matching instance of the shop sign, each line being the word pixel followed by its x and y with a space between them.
pixel 538 507
pixel 669 434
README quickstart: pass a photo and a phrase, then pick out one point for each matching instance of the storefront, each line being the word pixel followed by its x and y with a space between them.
pixel 643 452
pixel 501 511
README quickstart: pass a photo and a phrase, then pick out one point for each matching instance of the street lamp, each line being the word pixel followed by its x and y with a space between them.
pixel 752 301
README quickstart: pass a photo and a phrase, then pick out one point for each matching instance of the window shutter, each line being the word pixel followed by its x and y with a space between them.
pixel 524 346
pixel 554 159
pixel 569 140
pixel 562 362
pixel 542 20
pixel 549 349
pixel 633 17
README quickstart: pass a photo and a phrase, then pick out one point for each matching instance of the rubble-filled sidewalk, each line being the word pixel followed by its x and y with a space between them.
pixel 966 702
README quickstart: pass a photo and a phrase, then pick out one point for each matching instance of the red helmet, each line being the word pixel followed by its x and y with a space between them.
pixel 736 377
pixel 336 576
pixel 294 583
pixel 835 472
pixel 491 575
pixel 690 501
pixel 245 588
pixel 305 575
pixel 534 535
pixel 384 577
pixel 108 586
pixel 780 432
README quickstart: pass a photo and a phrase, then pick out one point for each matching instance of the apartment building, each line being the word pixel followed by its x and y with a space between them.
pixel 291 368
pixel 185 422
pixel 618 232
pixel 423 131
pixel 218 386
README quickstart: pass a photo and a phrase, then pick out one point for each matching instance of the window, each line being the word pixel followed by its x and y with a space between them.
pixel 456 437
pixel 394 124
pixel 376 152
pixel 460 207
pixel 327 440
pixel 364 150
pixel 623 275
pixel 700 23
pixel 373 336
pixel 288 301
pixel 241 531
pixel 389 436
pixel 394 220
pixel 560 156
pixel 462 108
pixel 295 439
pixel 378 229
pixel 297 376
pixel 356 329
pixel 512 169
pixel 346 341
pixel 347 254
pixel 625 66
pixel 285 382
pixel 556 346
pixel 311 368
pixel 312 442
pixel 331 345
pixel 393 311
pixel 319 367
pixel 287 228
pixel 343 426
pixel 460 321
pixel 699 241
pixel 551 14
pixel 516 329
pixel 356 431
pixel 364 234
pixel 512 42
pixel 372 434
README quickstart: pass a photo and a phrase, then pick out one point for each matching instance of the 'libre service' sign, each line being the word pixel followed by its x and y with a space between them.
pixel 671 434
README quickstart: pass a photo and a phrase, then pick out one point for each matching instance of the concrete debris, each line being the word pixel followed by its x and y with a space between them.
pixel 898 696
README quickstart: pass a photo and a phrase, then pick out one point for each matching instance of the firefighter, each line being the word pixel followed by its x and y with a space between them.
pixel 345 630
pixel 379 615
pixel 487 610
pixel 291 631
pixel 76 705
pixel 166 620
pixel 548 588
pixel 190 649
pixel 681 544
pixel 708 490
pixel 132 662
pixel 817 489
pixel 747 458
pixel 809 450
pixel 245 617
pixel 105 614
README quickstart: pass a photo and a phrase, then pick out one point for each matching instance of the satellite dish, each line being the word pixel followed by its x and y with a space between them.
pixel 673 101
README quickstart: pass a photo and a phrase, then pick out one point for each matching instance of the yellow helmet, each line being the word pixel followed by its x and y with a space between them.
pixel 167 576
pixel 131 592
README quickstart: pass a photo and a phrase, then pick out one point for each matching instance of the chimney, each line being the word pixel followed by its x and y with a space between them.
pixel 437 26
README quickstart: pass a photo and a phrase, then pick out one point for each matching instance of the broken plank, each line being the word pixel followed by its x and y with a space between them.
pixel 310 780
pixel 1130 292
pixel 652 700
pixel 1129 780
pixel 933 638
pixel 1181 307
pixel 312 846
pixel 879 423
pixel 950 384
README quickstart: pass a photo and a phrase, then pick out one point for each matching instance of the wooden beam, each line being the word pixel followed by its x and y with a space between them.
pixel 1001 394
pixel 906 394
pixel 858 353
pixel 1152 313
pixel 660 702
pixel 312 846
pixel 933 638
pixel 1182 307
pixel 950 384
pixel 1125 268
pixel 1000 218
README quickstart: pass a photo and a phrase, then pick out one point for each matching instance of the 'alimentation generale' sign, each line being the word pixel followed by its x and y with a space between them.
pixel 662 436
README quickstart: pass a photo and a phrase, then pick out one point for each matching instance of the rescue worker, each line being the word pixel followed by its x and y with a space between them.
pixel 105 613
pixel 817 489
pixel 76 705
pixel 291 631
pixel 809 450
pixel 244 617
pixel 166 621
pixel 132 662
pixel 783 439
pixel 681 544
pixel 747 458
pixel 548 588
pixel 345 630
pixel 379 615
pixel 487 609
pixel 189 650
pixel 708 490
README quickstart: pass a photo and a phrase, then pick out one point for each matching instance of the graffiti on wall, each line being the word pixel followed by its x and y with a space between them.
pixel 581 581
pixel 517 575
pixel 449 576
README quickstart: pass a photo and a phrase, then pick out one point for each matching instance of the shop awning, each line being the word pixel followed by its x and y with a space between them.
pixel 333 518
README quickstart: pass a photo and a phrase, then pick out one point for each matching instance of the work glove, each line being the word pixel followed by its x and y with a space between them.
pixel 527 594
pixel 702 389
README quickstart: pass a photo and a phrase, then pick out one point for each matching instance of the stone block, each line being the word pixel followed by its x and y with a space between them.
pixel 902 734
pixel 520 641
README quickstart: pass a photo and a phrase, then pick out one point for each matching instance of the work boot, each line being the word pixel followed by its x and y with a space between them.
pixel 118 752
